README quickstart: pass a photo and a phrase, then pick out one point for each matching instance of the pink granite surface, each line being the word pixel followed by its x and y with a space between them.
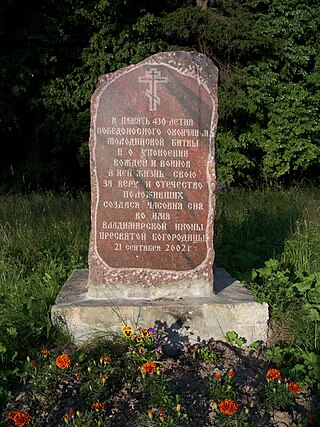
pixel 153 172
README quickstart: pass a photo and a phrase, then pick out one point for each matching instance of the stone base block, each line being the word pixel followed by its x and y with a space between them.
pixel 231 308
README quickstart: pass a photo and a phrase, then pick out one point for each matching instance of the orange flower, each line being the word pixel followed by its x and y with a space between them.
pixel 45 352
pixel 98 406
pixel 127 331
pixel 63 361
pixel 105 359
pixel 273 374
pixel 149 367
pixel 20 418
pixel 217 376
pixel 230 373
pixel 104 378
pixel 294 387
pixel 228 407
pixel 11 414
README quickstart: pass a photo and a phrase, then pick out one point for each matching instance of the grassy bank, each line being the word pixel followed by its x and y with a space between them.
pixel 43 237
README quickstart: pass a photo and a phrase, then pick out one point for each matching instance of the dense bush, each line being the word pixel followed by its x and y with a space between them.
pixel 267 52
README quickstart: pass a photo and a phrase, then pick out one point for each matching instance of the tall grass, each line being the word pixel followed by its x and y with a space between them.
pixel 43 237
pixel 252 226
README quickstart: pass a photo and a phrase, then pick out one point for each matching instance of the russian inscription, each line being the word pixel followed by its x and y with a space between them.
pixel 154 200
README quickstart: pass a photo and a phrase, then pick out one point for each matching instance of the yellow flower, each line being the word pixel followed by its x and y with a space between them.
pixel 127 331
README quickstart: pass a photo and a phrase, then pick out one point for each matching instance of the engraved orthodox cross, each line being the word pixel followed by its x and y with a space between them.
pixel 153 77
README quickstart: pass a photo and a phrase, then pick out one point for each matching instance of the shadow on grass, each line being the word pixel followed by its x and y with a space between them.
pixel 251 227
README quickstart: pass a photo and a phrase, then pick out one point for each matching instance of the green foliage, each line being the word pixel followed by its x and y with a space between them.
pixel 233 338
pixel 40 245
pixel 267 54
pixel 275 395
pixel 221 387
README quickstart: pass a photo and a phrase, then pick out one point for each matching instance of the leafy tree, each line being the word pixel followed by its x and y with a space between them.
pixel 267 52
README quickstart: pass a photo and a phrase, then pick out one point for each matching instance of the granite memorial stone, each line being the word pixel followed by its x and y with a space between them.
pixel 153 178
pixel 153 186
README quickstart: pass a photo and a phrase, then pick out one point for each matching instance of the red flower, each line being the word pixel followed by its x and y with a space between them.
pixel 63 361
pixel 105 359
pixel 149 367
pixel 294 387
pixel 98 406
pixel 45 352
pixel 20 418
pixel 228 406
pixel 273 374
pixel 230 373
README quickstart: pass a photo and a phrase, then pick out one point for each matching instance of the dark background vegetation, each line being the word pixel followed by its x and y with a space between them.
pixel 53 53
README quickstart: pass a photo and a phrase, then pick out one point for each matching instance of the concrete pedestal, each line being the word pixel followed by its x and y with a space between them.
pixel 232 308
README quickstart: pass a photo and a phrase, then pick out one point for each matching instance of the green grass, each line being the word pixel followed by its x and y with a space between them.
pixel 44 237
pixel 252 226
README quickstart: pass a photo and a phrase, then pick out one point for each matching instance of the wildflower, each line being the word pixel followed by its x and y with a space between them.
pixel 105 359
pixel 104 378
pixel 138 339
pixel 45 352
pixel 294 387
pixel 11 414
pixel 127 331
pixel 142 350
pixel 149 367
pixel 63 361
pixel 20 418
pixel 228 407
pixel 150 414
pixel 158 350
pixel 273 374
pixel 144 332
pixel 98 406
pixel 161 413
pixel 151 331
pixel 221 187
pixel 230 373
pixel 217 376
pixel 214 405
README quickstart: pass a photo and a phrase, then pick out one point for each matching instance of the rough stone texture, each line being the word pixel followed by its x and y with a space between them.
pixel 153 179
pixel 186 318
